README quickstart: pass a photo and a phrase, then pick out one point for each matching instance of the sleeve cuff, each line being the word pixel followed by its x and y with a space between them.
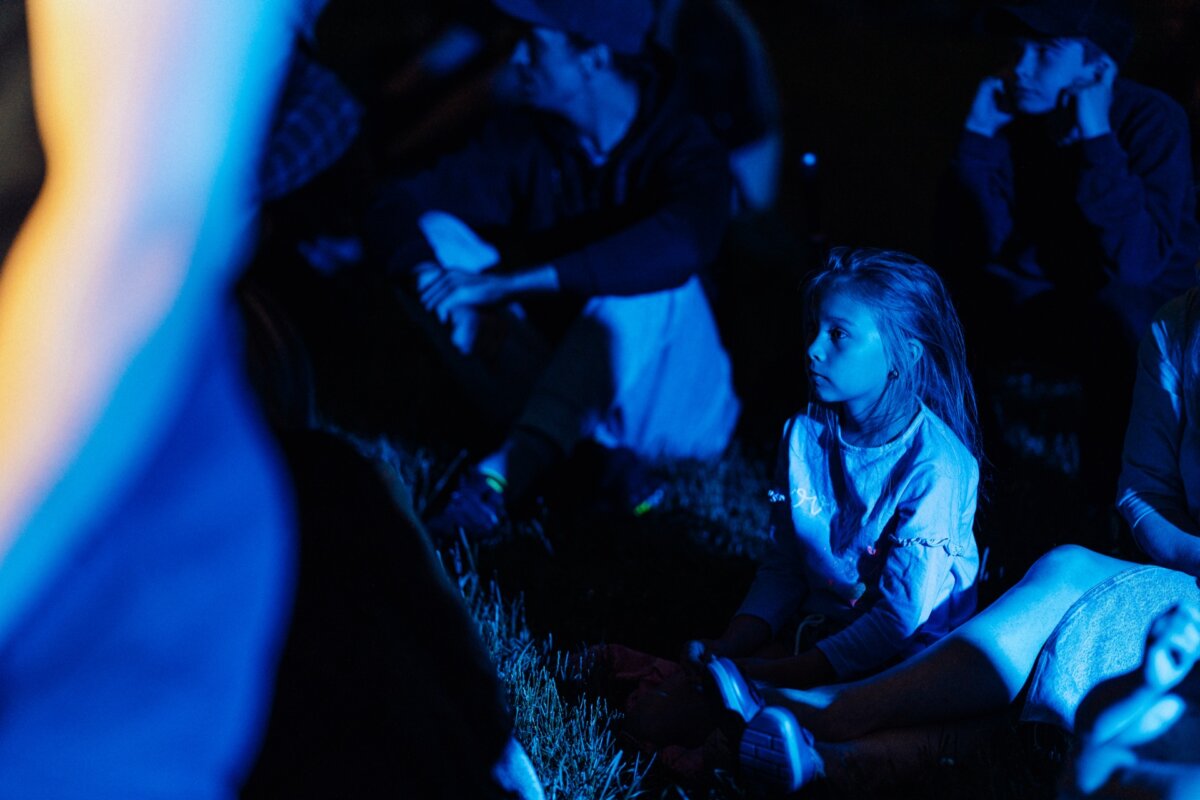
pixel 575 275
pixel 751 607
pixel 1102 150
pixel 976 146
pixel 842 668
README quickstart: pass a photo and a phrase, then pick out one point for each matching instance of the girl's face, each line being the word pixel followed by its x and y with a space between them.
pixel 847 362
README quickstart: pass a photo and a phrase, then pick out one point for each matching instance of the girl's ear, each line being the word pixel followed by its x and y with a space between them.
pixel 915 350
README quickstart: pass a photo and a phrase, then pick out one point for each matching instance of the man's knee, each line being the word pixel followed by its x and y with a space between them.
pixel 1069 564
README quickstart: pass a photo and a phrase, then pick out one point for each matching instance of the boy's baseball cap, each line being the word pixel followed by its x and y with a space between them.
pixel 623 25
pixel 1107 23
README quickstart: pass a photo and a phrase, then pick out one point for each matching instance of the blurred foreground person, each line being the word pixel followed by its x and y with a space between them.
pixel 146 550
pixel 146 531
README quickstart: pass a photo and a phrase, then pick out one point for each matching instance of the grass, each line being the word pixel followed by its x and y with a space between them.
pixel 569 739
pixel 651 583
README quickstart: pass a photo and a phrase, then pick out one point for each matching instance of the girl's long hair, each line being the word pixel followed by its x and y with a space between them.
pixel 909 301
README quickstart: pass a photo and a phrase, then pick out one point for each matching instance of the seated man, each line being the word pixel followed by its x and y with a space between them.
pixel 1070 209
pixel 596 205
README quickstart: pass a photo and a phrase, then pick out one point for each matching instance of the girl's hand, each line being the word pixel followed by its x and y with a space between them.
pixel 745 635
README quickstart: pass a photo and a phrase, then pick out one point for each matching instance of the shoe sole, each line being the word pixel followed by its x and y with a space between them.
pixel 736 694
pixel 775 754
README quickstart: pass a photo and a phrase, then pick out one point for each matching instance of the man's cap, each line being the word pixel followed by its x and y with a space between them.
pixel 623 25
pixel 1107 23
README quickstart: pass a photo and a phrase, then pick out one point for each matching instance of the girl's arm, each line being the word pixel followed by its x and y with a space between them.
pixel 779 586
pixel 150 115
pixel 932 541
pixel 810 668
pixel 1151 494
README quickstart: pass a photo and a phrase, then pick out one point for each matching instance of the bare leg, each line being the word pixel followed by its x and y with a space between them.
pixel 976 670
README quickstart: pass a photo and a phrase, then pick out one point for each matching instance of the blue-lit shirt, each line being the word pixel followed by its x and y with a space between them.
pixel 878 539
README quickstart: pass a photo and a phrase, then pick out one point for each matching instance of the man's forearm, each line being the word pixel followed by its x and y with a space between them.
pixel 534 280
pixel 1168 544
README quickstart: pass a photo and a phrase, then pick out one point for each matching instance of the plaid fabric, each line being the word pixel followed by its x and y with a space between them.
pixel 317 120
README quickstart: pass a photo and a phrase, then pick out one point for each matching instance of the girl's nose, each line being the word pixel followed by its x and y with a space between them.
pixel 815 351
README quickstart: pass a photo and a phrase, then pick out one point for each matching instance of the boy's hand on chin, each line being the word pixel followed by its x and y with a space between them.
pixel 1092 100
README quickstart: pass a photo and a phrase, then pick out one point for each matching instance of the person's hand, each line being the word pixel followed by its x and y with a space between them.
pixel 1095 764
pixel 988 114
pixel 1172 647
pixel 1092 100
pixel 696 654
pixel 425 273
pixel 446 290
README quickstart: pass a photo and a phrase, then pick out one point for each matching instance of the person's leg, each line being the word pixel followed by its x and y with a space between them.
pixel 646 373
pixel 976 670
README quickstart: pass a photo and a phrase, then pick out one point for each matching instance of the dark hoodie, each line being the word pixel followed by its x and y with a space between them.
pixel 647 219
pixel 1119 207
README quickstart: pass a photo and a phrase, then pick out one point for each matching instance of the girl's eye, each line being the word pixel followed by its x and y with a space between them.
pixel 837 334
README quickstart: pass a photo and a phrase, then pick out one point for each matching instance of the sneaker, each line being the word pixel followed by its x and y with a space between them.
pixel 476 511
pixel 737 694
pixel 776 753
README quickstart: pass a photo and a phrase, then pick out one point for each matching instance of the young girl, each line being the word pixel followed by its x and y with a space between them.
pixel 1099 647
pixel 872 544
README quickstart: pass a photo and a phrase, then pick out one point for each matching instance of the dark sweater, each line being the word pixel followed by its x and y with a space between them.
pixel 1116 207
pixel 647 219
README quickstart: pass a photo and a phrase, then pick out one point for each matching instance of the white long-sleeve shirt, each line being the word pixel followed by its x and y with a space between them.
pixel 878 539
